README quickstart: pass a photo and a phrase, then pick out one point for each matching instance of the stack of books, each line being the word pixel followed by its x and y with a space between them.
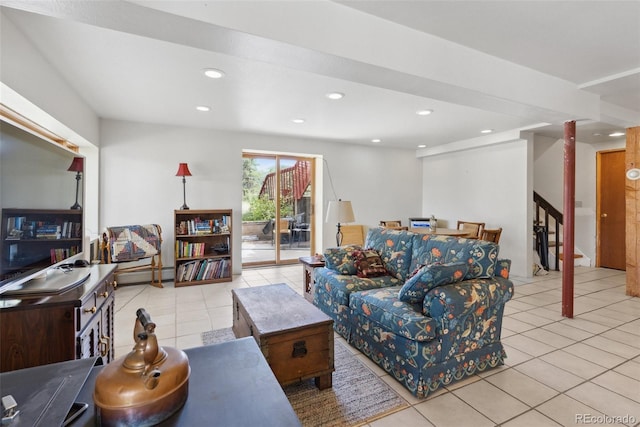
pixel 48 231
pixel 196 226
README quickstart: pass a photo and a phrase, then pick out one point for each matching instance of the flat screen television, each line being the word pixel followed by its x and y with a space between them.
pixel 40 230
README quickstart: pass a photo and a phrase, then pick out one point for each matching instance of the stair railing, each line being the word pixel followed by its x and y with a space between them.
pixel 549 211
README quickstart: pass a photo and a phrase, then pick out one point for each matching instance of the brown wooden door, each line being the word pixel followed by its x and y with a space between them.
pixel 610 209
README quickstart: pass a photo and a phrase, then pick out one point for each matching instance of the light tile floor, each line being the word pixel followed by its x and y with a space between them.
pixel 559 371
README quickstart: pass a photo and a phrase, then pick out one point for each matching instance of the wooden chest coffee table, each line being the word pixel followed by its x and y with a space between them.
pixel 295 337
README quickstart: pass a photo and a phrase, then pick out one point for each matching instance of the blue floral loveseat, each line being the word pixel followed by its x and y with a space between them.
pixel 428 310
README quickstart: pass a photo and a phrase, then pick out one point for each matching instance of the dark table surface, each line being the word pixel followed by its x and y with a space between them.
pixel 231 384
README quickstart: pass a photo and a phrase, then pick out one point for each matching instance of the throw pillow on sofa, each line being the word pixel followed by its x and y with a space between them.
pixel 430 276
pixel 369 264
pixel 341 259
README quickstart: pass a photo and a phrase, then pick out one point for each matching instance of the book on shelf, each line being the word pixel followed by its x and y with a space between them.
pixel 15 223
pixel 60 254
pixel 189 249
pixel 71 229
pixel 206 269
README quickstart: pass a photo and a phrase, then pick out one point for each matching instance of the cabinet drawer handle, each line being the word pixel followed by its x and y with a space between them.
pixel 104 294
pixel 115 285
pixel 90 310
pixel 104 345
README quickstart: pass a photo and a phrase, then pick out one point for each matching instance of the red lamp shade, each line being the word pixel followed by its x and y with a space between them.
pixel 183 170
pixel 77 165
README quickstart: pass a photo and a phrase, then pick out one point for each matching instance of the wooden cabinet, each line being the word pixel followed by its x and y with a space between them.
pixel 203 252
pixel 76 324
pixel 37 238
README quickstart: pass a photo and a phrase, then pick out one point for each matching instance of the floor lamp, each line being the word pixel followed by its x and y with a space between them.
pixel 340 211
pixel 77 166
pixel 183 170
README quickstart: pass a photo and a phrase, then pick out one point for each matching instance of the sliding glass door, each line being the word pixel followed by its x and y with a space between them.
pixel 277 209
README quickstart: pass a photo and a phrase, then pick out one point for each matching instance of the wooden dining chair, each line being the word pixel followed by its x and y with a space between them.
pixel 491 235
pixel 285 230
pixel 352 234
pixel 473 228
pixel 391 224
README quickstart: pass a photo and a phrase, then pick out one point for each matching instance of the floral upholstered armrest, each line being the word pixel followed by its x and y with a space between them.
pixel 503 266
pixel 456 300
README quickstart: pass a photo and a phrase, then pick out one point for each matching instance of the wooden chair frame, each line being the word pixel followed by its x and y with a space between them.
pixel 491 235
pixel 352 234
pixel 475 228
pixel 154 266
pixel 391 224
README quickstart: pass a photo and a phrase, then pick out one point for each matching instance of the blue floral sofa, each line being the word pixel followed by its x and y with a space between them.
pixel 430 316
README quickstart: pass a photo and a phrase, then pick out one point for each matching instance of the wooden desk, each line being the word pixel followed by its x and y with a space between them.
pixel 441 231
pixel 230 385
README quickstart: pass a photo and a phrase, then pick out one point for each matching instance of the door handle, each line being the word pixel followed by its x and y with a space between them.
pixel 604 215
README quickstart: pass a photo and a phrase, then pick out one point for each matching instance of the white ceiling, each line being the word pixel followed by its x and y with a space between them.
pixel 500 65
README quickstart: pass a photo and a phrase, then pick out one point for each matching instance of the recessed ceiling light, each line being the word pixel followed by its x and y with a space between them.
pixel 213 73
pixel 203 108
pixel 616 134
pixel 486 131
pixel 298 121
pixel 335 95
pixel 376 140
pixel 424 112
pixel 422 146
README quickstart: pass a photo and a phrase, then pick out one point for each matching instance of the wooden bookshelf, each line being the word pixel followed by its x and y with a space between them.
pixel 202 246
pixel 37 238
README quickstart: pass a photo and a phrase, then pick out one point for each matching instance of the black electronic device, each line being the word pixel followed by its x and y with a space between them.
pixel 76 410
pixel 81 263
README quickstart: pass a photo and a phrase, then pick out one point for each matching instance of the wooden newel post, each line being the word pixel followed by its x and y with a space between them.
pixel 568 227
pixel 632 197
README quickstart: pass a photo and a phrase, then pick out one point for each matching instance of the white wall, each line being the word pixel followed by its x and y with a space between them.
pixel 25 70
pixel 138 163
pixel 30 86
pixel 491 184
pixel 549 179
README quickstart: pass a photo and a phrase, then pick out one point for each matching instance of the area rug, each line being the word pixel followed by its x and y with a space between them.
pixel 357 396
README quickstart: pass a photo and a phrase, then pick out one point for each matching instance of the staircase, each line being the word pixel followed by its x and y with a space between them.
pixel 547 234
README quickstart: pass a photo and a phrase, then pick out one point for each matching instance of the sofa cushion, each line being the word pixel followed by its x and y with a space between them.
pixel 339 286
pixel 341 259
pixel 383 307
pixel 430 276
pixel 394 247
pixel 369 264
pixel 480 255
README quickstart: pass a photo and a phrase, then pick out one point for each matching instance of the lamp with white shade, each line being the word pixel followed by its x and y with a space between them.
pixel 340 211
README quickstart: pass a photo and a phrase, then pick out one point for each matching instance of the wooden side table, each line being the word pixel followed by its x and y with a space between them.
pixel 308 280
pixel 295 337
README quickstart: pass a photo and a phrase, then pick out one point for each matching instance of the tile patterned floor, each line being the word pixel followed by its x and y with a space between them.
pixel 559 371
